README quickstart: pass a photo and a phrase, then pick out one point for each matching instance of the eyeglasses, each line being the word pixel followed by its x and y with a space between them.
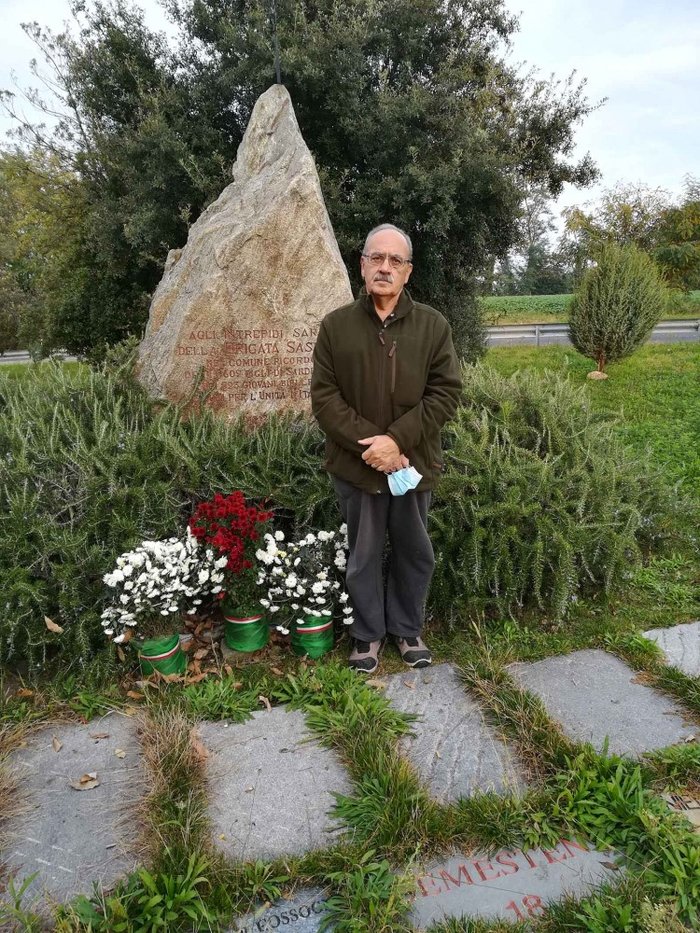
pixel 377 259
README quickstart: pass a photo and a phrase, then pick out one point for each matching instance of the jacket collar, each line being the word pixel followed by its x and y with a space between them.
pixel 403 307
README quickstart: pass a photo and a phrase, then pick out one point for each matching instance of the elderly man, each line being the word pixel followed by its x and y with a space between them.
pixel 385 380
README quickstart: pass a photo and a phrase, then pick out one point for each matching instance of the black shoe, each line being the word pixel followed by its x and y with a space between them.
pixel 414 652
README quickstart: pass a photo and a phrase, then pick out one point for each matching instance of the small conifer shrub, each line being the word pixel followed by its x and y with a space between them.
pixel 617 305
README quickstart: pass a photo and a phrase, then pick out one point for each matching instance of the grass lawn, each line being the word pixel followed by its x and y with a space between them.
pixel 550 309
pixel 389 818
pixel 655 393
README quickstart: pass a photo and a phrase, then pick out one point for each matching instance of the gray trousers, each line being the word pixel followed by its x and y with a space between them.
pixel 369 516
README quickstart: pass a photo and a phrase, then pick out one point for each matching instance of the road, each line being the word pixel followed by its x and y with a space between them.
pixel 508 335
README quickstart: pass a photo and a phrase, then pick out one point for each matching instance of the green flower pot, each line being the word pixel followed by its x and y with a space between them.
pixel 246 633
pixel 163 655
pixel 314 638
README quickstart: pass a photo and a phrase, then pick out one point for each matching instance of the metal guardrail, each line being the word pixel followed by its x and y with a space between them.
pixel 539 335
pixel 542 335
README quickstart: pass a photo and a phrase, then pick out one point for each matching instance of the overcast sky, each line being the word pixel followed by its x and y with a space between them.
pixel 641 54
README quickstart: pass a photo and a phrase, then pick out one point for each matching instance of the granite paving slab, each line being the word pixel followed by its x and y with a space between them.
pixel 594 695
pixel 510 885
pixel 74 837
pixel 271 785
pixel 301 913
pixel 453 750
pixel 681 646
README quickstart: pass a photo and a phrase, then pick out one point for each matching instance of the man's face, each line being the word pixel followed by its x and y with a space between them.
pixel 382 279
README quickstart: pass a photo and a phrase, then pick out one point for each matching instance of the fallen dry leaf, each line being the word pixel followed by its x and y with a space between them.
pixel 409 684
pixel 98 735
pixel 86 782
pixel 196 678
pixel 276 670
pixel 57 744
pixel 23 693
pixel 52 627
pixel 134 695
pixel 373 682
pixel 128 635
pixel 268 705
pixel 120 654
pixel 130 710
pixel 200 653
pixel 228 669
pixel 120 753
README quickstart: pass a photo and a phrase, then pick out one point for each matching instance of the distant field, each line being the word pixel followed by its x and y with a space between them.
pixel 550 309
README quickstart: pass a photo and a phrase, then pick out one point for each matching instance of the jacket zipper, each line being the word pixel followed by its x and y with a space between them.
pixel 392 356
pixel 380 334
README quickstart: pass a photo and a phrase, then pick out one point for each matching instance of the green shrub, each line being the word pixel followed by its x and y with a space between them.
pixel 540 500
pixel 89 467
pixel 539 497
pixel 617 305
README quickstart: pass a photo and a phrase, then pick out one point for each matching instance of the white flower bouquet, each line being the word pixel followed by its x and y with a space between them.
pixel 160 579
pixel 302 578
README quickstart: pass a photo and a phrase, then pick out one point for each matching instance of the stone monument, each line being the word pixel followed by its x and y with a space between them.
pixel 236 313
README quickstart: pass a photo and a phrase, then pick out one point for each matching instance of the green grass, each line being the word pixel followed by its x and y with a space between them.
pixel 655 392
pixel 390 821
pixel 550 309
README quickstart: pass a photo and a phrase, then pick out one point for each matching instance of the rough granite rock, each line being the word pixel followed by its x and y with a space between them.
pixel 240 305
pixel 452 747
pixel 271 786
pixel 593 696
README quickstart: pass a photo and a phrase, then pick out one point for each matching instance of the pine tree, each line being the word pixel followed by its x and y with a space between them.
pixel 617 305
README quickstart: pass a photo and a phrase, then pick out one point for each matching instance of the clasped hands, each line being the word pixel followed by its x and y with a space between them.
pixel 383 453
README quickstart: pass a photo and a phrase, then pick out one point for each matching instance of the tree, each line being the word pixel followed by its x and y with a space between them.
pixel 409 109
pixel 624 214
pixel 617 305
pixel 677 249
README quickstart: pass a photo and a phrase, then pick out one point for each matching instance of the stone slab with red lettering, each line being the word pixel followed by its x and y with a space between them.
pixel 510 884
pixel 240 305
pixel 681 646
pixel 453 748
pixel 271 785
pixel 76 829
pixel 594 695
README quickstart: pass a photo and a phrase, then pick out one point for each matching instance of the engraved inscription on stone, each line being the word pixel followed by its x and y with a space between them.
pixel 265 364
pixel 300 914
pixel 512 884
pixel 452 747
pixel 687 806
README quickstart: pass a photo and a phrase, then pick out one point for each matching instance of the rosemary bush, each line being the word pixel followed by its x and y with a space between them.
pixel 540 500
pixel 89 467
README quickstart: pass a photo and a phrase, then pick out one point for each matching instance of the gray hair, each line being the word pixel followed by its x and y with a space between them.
pixel 396 230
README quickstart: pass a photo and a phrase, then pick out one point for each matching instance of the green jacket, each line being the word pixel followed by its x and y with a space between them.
pixel 400 378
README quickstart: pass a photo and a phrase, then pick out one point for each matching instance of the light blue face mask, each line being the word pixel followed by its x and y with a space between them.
pixel 404 481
